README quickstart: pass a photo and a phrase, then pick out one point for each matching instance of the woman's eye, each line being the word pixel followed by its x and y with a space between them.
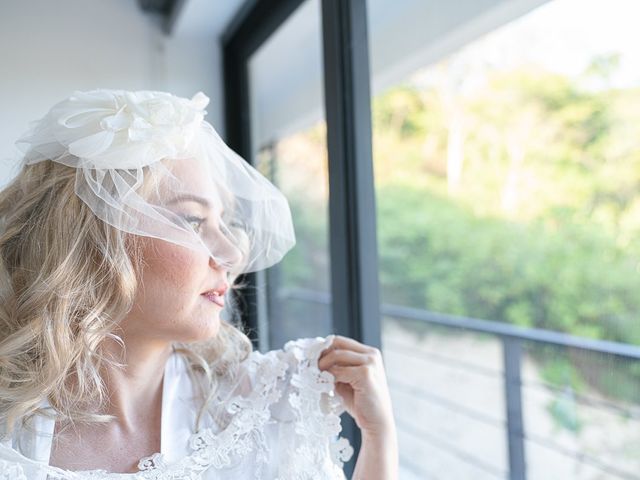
pixel 195 222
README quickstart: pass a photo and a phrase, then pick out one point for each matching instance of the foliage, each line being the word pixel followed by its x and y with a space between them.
pixel 516 201
pixel 532 219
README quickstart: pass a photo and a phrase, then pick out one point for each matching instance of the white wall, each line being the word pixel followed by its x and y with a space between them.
pixel 48 49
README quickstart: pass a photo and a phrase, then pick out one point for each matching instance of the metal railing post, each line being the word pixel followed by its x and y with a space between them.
pixel 512 354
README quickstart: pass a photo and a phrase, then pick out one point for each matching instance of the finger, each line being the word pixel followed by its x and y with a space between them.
pixel 348 374
pixel 340 342
pixel 343 357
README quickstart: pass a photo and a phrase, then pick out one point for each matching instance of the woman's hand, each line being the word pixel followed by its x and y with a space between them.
pixel 362 384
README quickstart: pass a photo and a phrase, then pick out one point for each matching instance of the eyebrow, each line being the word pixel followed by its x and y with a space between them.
pixel 190 197
pixel 194 198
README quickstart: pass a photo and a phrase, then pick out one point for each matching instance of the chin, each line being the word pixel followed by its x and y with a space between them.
pixel 205 328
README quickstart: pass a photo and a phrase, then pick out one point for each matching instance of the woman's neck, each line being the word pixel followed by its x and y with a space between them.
pixel 135 399
pixel 132 389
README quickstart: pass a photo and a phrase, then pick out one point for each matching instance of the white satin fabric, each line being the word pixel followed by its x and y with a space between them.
pixel 283 425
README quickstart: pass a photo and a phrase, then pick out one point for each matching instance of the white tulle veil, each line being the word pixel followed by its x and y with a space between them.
pixel 149 164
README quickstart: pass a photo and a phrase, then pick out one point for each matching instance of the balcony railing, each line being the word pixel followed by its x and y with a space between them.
pixel 512 338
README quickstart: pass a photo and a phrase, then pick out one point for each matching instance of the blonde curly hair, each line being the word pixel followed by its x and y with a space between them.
pixel 66 279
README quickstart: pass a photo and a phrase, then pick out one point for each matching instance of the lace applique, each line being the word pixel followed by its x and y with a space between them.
pixel 10 471
pixel 341 451
pixel 246 432
pixel 317 409
pixel 151 462
pixel 309 395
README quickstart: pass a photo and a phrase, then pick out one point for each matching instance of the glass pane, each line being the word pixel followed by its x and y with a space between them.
pixel 289 147
pixel 507 170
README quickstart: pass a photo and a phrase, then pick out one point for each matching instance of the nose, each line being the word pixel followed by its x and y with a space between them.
pixel 225 254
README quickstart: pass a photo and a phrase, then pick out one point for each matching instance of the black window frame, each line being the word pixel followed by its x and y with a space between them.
pixel 352 209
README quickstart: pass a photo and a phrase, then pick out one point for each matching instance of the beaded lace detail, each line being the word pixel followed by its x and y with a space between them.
pixel 311 401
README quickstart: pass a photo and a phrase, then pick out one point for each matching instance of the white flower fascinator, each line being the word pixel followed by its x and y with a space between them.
pixel 149 164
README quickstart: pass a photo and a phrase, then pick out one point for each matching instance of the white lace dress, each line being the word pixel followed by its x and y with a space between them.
pixel 284 427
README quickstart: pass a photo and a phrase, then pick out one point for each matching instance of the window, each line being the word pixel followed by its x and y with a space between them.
pixel 507 170
pixel 288 139
pixel 503 203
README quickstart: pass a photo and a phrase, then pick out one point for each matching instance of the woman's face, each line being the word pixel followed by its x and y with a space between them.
pixel 175 300
pixel 170 303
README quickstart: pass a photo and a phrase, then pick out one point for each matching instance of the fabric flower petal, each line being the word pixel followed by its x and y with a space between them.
pixel 120 120
pixel 200 100
pixel 92 145
pixel 75 118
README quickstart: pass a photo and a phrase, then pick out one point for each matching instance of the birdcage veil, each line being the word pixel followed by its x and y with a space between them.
pixel 149 164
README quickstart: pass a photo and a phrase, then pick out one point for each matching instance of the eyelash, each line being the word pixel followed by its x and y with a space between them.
pixel 200 221
pixel 195 219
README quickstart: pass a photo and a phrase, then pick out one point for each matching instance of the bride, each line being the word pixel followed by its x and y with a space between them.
pixel 121 238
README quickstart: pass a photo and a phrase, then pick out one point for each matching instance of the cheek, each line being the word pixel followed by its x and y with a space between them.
pixel 178 272
pixel 173 280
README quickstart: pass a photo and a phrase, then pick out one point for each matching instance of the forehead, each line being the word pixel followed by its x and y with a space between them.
pixel 192 181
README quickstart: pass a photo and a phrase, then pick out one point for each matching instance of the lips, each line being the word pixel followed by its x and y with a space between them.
pixel 214 297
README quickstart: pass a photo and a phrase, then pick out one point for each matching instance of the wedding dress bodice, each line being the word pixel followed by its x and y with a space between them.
pixel 284 426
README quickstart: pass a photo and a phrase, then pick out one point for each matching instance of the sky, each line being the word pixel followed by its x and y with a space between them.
pixel 562 36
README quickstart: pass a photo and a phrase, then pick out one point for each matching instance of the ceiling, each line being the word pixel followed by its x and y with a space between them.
pixel 194 18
